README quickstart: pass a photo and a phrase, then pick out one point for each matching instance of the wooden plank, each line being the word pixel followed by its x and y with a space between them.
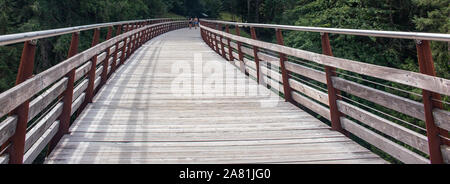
pixel 109 69
pixel 97 82
pixel 442 118
pixel 98 72
pixel 250 63
pixel 80 89
pixel 15 96
pixel 394 102
pixel 247 51
pixel 392 129
pixel 83 70
pixel 40 144
pixel 77 103
pixel 446 153
pixel 309 91
pixel 41 127
pixel 121 44
pixel 112 49
pixel 307 72
pixel 7 128
pixel 311 105
pixel 270 59
pixel 4 159
pixel 271 73
pixel 235 55
pixel 101 58
pixel 382 143
pixel 430 83
pixel 42 101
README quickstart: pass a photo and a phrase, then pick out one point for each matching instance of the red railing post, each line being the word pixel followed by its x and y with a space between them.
pixel 64 118
pixel 241 55
pixel 332 92
pixel 426 66
pixel 284 72
pixel 114 62
pixel 255 52
pixel 230 49
pixel 90 89
pixel 104 76
pixel 17 149
pixel 224 55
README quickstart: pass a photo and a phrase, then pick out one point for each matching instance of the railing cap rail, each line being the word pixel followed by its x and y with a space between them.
pixel 22 37
pixel 359 32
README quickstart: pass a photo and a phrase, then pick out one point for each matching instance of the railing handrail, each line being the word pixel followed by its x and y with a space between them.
pixel 358 32
pixel 22 37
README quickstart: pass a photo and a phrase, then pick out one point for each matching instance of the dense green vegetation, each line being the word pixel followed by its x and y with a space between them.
pixel 394 15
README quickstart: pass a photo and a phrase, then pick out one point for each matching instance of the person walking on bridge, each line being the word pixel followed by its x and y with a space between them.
pixel 196 22
pixel 190 23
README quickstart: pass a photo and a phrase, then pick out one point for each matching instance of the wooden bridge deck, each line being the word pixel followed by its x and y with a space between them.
pixel 138 117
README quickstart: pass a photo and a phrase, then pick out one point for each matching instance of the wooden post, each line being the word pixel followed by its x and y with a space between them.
pixel 90 89
pixel 332 92
pixel 17 149
pixel 255 55
pixel 230 49
pixel 64 118
pixel 284 72
pixel 241 55
pixel 426 66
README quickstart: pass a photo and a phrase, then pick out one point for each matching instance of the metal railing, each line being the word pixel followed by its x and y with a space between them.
pixel 320 90
pixel 37 112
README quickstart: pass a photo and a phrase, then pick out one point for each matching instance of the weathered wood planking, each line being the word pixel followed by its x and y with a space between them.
pixel 7 128
pixel 431 83
pixel 15 96
pixel 446 153
pixel 310 104
pixel 42 101
pixel 83 70
pixel 270 59
pixel 397 151
pixel 309 91
pixel 307 72
pixel 41 127
pixel 40 144
pixel 4 159
pixel 396 131
pixel 80 89
pixel 138 118
pixel 77 103
pixel 394 102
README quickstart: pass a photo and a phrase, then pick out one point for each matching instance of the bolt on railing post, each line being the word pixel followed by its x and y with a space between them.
pixel 241 55
pixel 426 66
pixel 230 49
pixel 284 72
pixel 332 92
pixel 90 89
pixel 255 53
pixel 64 118
pixel 17 149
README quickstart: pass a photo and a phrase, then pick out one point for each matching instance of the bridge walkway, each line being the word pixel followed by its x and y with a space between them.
pixel 166 105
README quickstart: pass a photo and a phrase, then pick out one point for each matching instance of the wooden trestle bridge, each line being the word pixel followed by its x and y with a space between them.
pixel 159 92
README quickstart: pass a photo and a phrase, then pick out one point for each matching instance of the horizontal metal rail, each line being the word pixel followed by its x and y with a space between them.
pixel 359 32
pixel 22 37
pixel 330 104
